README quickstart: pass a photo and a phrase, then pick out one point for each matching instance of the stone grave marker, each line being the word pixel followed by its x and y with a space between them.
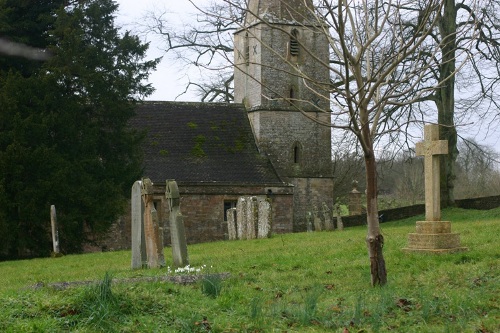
pixel 340 224
pixel 355 207
pixel 251 218
pixel 309 222
pixel 264 219
pixel 231 224
pixel 433 235
pixel 241 213
pixel 139 256
pixel 151 229
pixel 317 219
pixel 177 231
pixel 56 251
pixel 328 217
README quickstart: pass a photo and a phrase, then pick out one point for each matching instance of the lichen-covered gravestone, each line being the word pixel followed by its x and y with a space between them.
pixel 231 224
pixel 433 235
pixel 264 219
pixel 177 231
pixel 328 217
pixel 154 249
pixel 241 212
pixel 317 219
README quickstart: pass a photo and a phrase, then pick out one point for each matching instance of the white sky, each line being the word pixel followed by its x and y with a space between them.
pixel 170 78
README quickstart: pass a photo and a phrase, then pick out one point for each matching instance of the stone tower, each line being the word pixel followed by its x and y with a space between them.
pixel 281 76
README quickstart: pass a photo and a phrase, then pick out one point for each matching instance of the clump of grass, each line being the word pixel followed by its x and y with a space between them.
pixel 99 308
pixel 211 285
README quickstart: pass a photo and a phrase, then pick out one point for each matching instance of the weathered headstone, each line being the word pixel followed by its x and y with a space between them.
pixel 177 231
pixel 251 218
pixel 241 213
pixel 309 222
pixel 328 217
pixel 139 256
pixel 433 235
pixel 340 224
pixel 355 207
pixel 159 237
pixel 151 230
pixel 55 232
pixel 317 219
pixel 231 224
pixel 264 216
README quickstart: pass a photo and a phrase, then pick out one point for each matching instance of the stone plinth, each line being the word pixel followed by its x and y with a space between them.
pixel 434 237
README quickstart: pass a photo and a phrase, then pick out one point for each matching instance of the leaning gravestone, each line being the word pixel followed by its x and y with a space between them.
pixel 231 224
pixel 433 235
pixel 139 256
pixel 151 227
pixel 177 231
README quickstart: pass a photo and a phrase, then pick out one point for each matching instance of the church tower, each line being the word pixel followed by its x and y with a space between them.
pixel 281 76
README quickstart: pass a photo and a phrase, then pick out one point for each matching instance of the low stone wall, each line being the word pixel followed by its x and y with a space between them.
pixel 394 214
pixel 484 203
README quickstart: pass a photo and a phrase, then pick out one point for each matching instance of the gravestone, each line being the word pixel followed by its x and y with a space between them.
pixel 264 219
pixel 55 231
pixel 340 224
pixel 317 219
pixel 151 229
pixel 139 256
pixel 355 207
pixel 328 217
pixel 177 231
pixel 159 237
pixel 231 224
pixel 251 218
pixel 309 222
pixel 433 235
pixel 241 213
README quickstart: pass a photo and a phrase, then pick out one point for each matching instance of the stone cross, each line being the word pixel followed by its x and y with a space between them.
pixel 177 231
pixel 55 231
pixel 430 148
pixel 139 257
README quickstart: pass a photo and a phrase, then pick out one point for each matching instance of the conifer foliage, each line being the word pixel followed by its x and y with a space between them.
pixel 63 123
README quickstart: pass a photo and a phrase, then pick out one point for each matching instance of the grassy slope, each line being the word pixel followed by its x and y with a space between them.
pixel 308 282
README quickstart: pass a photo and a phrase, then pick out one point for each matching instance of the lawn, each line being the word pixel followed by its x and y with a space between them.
pixel 304 282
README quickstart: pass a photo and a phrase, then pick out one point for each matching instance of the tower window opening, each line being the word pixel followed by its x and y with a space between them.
pixel 247 50
pixel 296 153
pixel 294 43
pixel 291 96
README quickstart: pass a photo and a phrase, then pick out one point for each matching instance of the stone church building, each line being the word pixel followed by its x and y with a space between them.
pixel 269 143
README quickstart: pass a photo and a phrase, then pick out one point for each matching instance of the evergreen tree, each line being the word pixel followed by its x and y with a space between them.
pixel 63 129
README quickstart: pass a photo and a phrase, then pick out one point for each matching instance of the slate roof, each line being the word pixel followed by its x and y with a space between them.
pixel 201 143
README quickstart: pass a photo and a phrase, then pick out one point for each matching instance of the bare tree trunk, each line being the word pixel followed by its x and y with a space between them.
pixel 446 101
pixel 374 239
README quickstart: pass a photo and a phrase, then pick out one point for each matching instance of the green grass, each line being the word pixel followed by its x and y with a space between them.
pixel 307 282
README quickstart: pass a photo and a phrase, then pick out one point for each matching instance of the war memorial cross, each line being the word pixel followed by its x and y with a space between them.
pixel 431 148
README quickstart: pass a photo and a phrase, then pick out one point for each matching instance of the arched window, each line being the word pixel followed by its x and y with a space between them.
pixel 294 43
pixel 291 96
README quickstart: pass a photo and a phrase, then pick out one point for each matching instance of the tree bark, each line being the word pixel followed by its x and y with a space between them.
pixel 446 101
pixel 374 239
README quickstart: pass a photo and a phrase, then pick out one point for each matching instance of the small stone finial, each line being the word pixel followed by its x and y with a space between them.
pixel 355 186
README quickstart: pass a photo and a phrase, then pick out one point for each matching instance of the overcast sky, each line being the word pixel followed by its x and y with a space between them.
pixel 170 78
